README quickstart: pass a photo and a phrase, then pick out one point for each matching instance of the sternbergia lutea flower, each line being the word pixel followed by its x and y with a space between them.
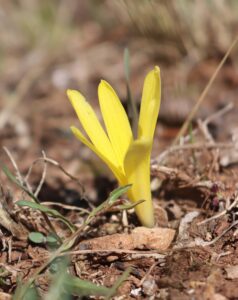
pixel 127 157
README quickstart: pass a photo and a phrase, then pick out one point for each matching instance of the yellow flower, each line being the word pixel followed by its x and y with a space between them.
pixel 128 158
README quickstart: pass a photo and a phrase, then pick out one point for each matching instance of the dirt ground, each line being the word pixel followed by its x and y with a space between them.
pixel 194 183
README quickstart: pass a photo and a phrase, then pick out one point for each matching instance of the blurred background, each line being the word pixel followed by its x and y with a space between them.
pixel 49 46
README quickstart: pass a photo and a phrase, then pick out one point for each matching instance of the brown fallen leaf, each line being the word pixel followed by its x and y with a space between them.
pixel 140 238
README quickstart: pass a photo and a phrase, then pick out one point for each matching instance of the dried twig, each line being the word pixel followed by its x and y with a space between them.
pixel 219 113
pixel 202 126
pixel 224 110
pixel 174 173
pixel 204 93
pixel 209 138
pixel 25 186
pixel 148 273
pixel 38 189
pixel 169 172
pixel 19 176
pixel 17 229
pixel 151 253
pixel 18 173
pixel 55 163
pixel 220 214
pixel 200 242
pixel 66 206
pixel 196 146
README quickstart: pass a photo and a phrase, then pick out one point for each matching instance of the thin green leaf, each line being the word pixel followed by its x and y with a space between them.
pixel 57 287
pixel 30 294
pixel 14 180
pixel 130 205
pixel 191 135
pixel 80 287
pixel 114 195
pixel 37 237
pixel 75 284
pixel 132 110
pixel 127 64
pixel 49 211
pixel 51 239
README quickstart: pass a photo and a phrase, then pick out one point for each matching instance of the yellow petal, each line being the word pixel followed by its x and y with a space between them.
pixel 137 169
pixel 115 119
pixel 116 171
pixel 91 125
pixel 150 104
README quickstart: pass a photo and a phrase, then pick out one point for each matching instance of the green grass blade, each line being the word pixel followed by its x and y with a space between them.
pixel 30 294
pixel 127 64
pixel 129 205
pixel 14 180
pixel 57 289
pixel 49 211
pixel 79 287
pixel 114 195
pixel 132 110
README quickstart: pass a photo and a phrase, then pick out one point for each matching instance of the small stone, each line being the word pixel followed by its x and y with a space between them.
pixel 149 287
pixel 136 292
pixel 153 238
pixel 232 272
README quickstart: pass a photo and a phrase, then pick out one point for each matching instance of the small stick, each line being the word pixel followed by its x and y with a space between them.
pixel 221 235
pixel 204 93
pixel 55 163
pixel 215 152
pixel 220 214
pixel 204 130
pixel 219 113
pixel 148 273
pixel 43 176
pixel 125 219
pixel 18 173
pixel 23 182
pixel 201 242
pixel 213 117
pixel 195 146
pixel 65 206
pixel 117 251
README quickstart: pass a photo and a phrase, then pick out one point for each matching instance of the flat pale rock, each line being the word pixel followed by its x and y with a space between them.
pixel 232 272
pixel 157 238
pixel 140 238
pixel 4 296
